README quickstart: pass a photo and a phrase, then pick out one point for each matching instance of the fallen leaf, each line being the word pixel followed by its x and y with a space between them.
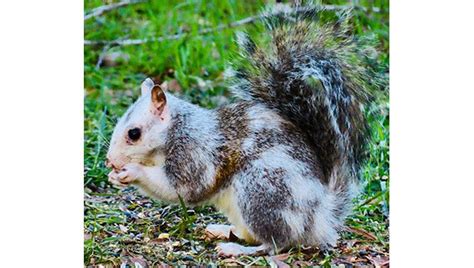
pixel 282 257
pixel 275 262
pixel 163 236
pixel 87 236
pixel 378 261
pixel 139 262
pixel 301 264
pixel 123 228
pixel 233 237
pixel 134 261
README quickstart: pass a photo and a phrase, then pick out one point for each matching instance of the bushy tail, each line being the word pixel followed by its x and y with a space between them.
pixel 313 74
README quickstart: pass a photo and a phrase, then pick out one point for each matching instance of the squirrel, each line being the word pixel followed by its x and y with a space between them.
pixel 283 162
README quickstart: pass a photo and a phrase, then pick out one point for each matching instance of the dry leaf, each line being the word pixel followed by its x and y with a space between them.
pixel 87 236
pixel 361 232
pixel 163 236
pixel 378 261
pixel 275 262
pixel 282 257
pixel 123 228
pixel 139 261
pixel 135 261
pixel 301 264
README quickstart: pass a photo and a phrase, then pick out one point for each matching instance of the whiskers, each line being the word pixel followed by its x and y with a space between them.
pixel 104 140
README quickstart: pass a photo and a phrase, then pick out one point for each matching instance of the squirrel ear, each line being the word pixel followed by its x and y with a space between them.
pixel 147 85
pixel 158 99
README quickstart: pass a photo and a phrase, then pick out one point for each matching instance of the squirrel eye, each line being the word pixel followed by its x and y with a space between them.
pixel 134 134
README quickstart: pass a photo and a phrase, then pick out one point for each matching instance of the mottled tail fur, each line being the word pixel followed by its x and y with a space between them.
pixel 313 74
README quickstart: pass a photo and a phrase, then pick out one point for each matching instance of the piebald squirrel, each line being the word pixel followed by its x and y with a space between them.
pixel 283 161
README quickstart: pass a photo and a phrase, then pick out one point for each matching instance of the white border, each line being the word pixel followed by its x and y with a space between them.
pixel 432 55
pixel 41 57
pixel 41 84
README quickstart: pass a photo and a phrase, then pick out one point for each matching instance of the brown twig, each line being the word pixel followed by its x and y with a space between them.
pixel 129 42
pixel 102 9
pixel 361 232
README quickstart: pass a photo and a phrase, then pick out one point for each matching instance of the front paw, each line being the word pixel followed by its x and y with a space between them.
pixel 130 173
pixel 114 180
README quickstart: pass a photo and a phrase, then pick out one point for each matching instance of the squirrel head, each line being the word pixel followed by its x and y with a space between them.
pixel 141 130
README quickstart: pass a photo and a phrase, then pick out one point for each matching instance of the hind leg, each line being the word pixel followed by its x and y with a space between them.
pixel 264 199
pixel 265 208
pixel 229 232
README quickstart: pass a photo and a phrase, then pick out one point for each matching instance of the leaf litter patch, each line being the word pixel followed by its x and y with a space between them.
pixel 124 228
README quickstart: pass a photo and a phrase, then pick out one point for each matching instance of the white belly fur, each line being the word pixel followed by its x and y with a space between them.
pixel 226 202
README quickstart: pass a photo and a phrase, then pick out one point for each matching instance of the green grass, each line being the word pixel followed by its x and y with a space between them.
pixel 114 228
